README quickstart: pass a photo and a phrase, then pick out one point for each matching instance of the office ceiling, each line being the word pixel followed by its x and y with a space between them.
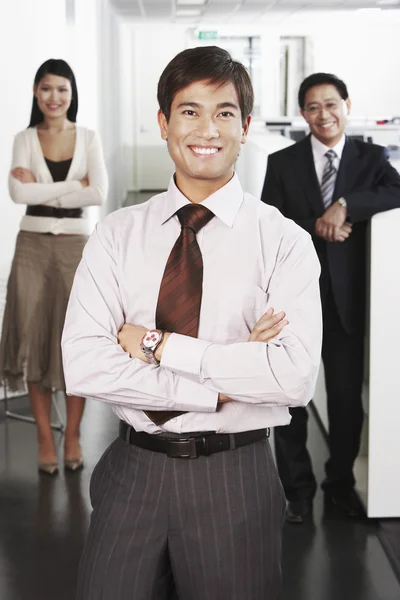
pixel 233 11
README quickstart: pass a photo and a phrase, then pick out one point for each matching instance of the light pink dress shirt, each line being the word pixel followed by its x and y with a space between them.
pixel 254 258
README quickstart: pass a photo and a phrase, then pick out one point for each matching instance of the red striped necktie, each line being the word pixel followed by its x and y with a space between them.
pixel 179 298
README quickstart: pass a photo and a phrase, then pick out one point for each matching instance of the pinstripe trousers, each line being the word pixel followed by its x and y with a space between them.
pixel 184 529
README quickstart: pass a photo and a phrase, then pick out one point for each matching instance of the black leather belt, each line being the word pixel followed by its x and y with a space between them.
pixel 57 213
pixel 193 445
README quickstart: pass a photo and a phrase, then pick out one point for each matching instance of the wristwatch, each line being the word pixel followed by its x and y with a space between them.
pixel 342 202
pixel 149 344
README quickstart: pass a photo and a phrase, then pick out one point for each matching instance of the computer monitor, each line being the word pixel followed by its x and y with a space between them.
pixel 297 134
pixel 362 138
pixel 357 138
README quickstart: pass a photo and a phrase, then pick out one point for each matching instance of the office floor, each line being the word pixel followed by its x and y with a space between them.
pixel 43 522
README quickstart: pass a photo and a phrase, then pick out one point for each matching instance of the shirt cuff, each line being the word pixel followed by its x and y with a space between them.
pixel 183 355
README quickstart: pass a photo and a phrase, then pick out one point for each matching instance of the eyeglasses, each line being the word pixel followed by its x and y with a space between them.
pixel 330 107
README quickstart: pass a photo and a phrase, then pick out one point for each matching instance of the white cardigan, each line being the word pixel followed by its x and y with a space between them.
pixel 88 161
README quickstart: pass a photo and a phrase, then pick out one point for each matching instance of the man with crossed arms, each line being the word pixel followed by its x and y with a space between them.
pixel 171 321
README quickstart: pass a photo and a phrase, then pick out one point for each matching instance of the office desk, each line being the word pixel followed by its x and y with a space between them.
pixel 252 162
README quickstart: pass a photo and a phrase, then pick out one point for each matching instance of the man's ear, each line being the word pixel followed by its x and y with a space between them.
pixel 163 124
pixel 245 129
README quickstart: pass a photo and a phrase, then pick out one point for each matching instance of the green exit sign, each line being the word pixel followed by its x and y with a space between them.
pixel 208 35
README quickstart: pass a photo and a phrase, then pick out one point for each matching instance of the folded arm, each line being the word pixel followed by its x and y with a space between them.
pixel 96 192
pixel 34 193
pixel 281 372
pixel 193 372
pixel 95 364
pixel 383 195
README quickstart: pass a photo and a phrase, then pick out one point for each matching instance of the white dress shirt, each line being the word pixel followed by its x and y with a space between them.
pixel 254 258
pixel 88 161
pixel 319 150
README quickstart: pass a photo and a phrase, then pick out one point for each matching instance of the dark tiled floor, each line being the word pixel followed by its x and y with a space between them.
pixel 43 522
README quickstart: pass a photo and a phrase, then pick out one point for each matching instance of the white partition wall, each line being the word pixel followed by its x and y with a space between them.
pixel 377 467
pixel 384 367
pixel 252 162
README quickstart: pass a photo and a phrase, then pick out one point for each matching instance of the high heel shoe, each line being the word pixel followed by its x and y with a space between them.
pixel 73 464
pixel 48 468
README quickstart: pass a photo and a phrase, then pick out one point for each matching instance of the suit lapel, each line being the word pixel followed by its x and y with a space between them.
pixel 348 169
pixel 305 172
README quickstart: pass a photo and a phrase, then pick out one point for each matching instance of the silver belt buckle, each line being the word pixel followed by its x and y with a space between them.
pixel 182 448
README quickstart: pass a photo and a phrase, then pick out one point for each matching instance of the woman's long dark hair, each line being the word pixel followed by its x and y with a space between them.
pixel 55 66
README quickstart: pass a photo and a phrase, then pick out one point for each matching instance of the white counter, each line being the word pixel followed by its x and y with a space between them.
pixel 252 162
pixel 377 467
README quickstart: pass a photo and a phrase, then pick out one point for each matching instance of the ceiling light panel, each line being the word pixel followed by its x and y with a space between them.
pixel 191 2
pixel 232 3
pixel 188 12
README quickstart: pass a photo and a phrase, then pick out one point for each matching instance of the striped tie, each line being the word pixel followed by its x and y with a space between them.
pixel 179 298
pixel 328 179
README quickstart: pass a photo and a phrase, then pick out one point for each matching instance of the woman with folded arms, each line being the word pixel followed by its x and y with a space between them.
pixel 57 170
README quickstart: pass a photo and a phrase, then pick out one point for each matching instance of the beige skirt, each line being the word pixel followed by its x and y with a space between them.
pixel 38 289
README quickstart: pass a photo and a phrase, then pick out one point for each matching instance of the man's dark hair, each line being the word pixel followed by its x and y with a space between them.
pixel 321 79
pixel 205 63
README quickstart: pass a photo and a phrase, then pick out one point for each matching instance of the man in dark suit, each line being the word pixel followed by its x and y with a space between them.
pixel 331 186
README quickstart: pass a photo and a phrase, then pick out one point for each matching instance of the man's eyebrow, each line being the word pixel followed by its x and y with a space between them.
pixel 227 105
pixel 191 104
pixel 316 101
pixel 198 105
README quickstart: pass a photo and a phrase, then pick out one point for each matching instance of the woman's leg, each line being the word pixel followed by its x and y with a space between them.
pixel 41 408
pixel 75 406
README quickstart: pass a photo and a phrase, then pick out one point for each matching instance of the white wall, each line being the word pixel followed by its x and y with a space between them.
pixel 100 49
pixel 154 47
pixel 370 70
pixel 84 55
pixel 384 382
pixel 362 48
pixel 100 46
pixel 30 33
pixel 112 88
pixel 127 104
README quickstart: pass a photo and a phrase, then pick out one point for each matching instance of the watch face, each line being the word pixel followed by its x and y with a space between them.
pixel 151 338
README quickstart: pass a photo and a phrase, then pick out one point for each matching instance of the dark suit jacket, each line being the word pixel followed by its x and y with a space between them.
pixel 368 183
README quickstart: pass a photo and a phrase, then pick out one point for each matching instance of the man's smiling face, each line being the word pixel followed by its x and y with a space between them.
pixel 204 132
pixel 326 113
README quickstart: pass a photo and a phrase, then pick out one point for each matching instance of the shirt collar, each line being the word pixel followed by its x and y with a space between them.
pixel 319 149
pixel 224 203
